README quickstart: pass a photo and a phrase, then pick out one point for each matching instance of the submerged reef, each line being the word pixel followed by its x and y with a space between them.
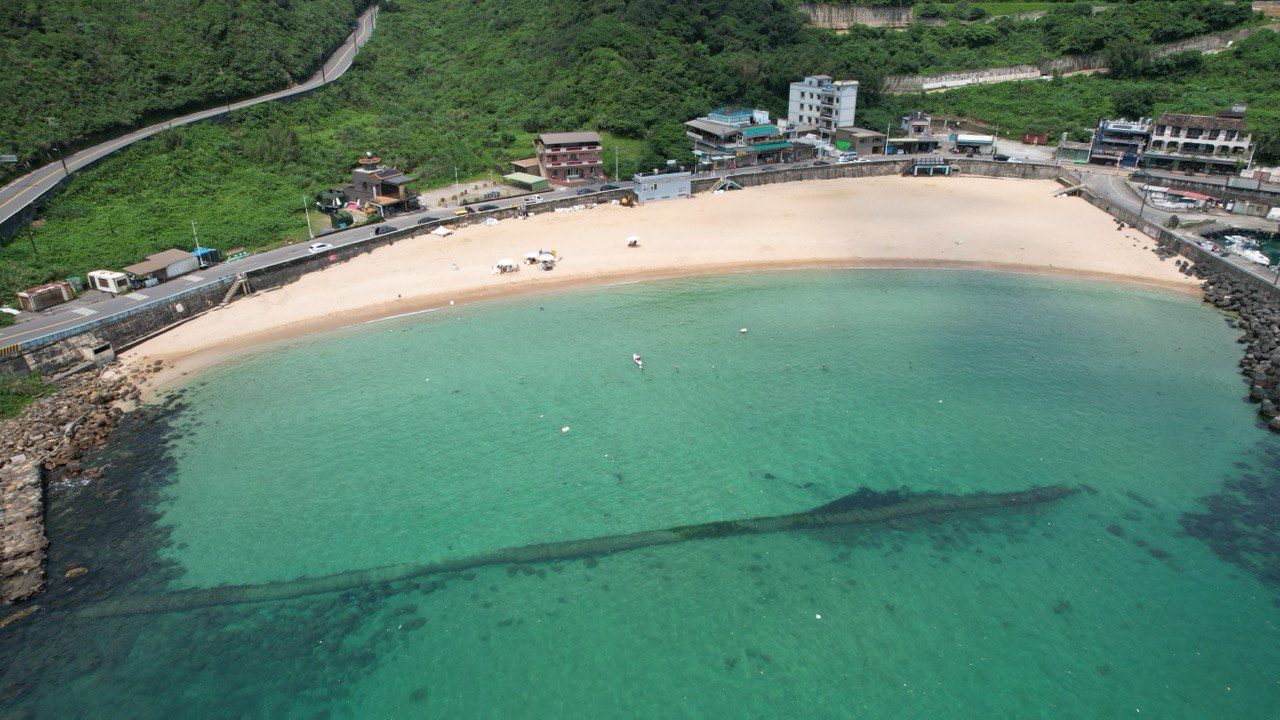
pixel 866 509
pixel 1241 524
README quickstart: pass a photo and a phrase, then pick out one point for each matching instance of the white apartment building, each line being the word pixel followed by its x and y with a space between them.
pixel 823 103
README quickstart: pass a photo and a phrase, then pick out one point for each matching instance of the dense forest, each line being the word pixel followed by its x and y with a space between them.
pixel 445 85
pixel 100 67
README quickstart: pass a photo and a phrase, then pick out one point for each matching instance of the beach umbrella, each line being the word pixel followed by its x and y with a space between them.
pixel 633 238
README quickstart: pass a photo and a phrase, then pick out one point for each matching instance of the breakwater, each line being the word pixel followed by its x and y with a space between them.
pixel 22 539
pixel 861 508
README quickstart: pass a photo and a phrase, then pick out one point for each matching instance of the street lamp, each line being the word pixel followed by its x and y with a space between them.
pixel 307 211
pixel 53 124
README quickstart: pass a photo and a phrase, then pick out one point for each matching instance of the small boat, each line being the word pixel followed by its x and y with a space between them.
pixel 639 362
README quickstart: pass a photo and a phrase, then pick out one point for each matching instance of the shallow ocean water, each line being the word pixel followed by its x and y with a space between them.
pixel 443 436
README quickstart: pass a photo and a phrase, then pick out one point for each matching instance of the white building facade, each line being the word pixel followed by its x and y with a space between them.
pixel 823 103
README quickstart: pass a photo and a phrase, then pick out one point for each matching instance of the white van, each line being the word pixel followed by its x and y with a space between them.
pixel 847 157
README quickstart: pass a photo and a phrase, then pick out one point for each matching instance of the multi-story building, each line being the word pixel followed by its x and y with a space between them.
pixel 570 158
pixel 1200 143
pixel 822 103
pixel 384 189
pixel 1120 143
pixel 732 137
pixel 917 136
pixel 917 124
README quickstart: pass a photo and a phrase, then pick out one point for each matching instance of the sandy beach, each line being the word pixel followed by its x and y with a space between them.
pixel 1011 225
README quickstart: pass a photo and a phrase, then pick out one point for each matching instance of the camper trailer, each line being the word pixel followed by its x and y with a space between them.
pixel 116 283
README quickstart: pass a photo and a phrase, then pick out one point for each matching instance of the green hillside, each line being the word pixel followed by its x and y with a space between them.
pixel 102 67
pixel 467 84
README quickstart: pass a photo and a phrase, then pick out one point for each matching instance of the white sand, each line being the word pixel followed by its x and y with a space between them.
pixel 873 222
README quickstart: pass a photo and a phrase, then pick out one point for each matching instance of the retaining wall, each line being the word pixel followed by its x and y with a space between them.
pixel 840 17
pixel 907 84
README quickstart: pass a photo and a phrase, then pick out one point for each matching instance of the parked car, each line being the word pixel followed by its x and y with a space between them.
pixel 847 157
pixel 533 198
pixel 384 229
pixel 314 248
pixel 821 163
pixel 487 208
pixel 1000 157
pixel 428 219
pixel 609 187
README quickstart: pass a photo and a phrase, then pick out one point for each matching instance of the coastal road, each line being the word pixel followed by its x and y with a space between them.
pixel 94 305
pixel 27 189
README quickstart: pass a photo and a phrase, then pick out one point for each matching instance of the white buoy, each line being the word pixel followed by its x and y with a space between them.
pixel 742 330
pixel 564 429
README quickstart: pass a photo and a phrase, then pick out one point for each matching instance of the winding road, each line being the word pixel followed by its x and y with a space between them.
pixel 20 193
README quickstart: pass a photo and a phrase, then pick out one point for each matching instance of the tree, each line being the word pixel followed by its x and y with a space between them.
pixel 1133 101
pixel 1126 58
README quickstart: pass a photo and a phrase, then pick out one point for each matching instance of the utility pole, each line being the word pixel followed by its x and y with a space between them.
pixel 53 124
pixel 615 163
pixel 456 195
pixel 307 211
pixel 31 236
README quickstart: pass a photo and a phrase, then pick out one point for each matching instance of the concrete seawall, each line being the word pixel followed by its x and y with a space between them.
pixel 76 346
pixel 22 540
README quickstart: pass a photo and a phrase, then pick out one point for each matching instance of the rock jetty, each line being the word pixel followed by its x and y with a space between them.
pixel 52 439
pixel 1259 320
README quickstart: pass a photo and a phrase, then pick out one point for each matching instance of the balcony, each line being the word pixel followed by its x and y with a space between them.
pixel 557 149
pixel 574 163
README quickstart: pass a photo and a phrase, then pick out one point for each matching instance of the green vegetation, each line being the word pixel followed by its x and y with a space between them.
pixel 18 392
pixel 979 10
pixel 102 67
pixel 467 85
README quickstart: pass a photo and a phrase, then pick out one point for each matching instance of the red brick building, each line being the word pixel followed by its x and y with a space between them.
pixel 571 158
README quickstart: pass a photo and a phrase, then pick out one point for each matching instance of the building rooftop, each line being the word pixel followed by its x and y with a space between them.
pixel 669 171
pixel 710 126
pixel 1206 122
pixel 569 138
pixel 1141 125
pixel 860 132
pixel 157 262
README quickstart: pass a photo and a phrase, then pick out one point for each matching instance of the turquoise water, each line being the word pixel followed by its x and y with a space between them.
pixel 444 435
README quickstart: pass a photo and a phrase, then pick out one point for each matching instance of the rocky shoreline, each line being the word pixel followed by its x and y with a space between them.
pixel 1259 319
pixel 51 440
